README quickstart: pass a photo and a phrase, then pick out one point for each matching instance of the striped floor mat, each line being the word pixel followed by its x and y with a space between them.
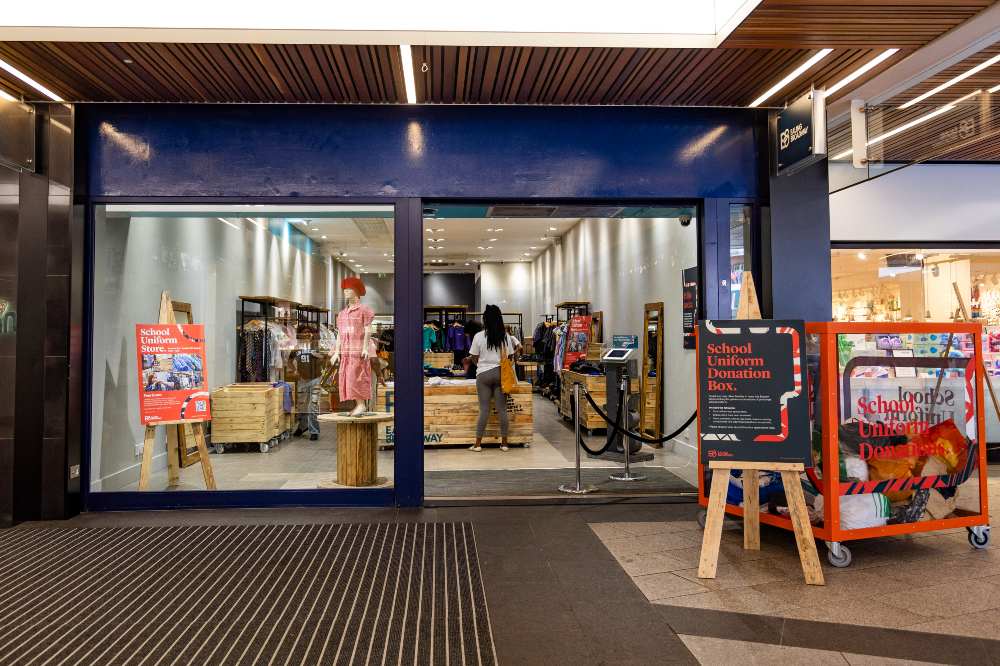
pixel 379 593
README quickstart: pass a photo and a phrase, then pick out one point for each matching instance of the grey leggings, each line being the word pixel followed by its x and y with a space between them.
pixel 488 389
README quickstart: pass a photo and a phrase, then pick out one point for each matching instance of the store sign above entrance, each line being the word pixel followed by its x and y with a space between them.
pixel 801 133
pixel 752 400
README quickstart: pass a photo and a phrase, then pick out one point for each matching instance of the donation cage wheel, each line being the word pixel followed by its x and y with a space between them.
pixel 219 448
pixel 979 537
pixel 839 555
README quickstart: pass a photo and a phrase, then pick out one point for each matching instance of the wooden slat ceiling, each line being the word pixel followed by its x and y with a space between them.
pixel 99 72
pixel 906 24
pixel 778 35
pixel 982 80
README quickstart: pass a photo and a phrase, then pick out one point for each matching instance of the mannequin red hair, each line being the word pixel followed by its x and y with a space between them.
pixel 353 283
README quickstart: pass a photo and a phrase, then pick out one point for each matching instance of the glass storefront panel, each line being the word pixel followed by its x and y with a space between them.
pixel 923 285
pixel 908 440
pixel 247 328
pixel 740 251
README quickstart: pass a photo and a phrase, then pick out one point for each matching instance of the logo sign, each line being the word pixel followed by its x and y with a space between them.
pixel 801 133
pixel 625 341
pixel 753 405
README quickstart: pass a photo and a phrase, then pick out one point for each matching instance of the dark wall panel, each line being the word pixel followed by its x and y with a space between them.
pixel 798 252
pixel 450 289
pixel 501 152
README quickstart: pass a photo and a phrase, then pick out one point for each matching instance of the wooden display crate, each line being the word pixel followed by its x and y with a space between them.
pixel 451 412
pixel 248 413
pixel 649 420
pixel 594 350
pixel 595 385
pixel 439 359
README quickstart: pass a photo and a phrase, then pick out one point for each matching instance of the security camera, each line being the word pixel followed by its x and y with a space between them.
pixel 685 219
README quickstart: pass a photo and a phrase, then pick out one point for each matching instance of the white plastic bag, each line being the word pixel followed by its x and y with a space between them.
pixel 861 511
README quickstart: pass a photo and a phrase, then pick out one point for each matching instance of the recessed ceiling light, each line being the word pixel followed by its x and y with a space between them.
pixel 527 254
pixel 949 83
pixel 323 237
pixel 552 229
pixel 467 264
pixel 481 247
pixel 493 240
pixel 315 228
pixel 860 71
pixel 489 247
pixel 440 229
pixel 30 81
pixel 794 74
pixel 385 254
pixel 489 229
pixel 409 83
pixel 530 247
pixel 128 61
pixel 498 229
pixel 862 256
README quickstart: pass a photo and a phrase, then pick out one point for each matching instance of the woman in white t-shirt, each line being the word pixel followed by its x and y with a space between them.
pixel 488 347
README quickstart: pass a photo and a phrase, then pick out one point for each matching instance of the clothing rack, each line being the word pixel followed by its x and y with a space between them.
pixel 446 313
pixel 520 322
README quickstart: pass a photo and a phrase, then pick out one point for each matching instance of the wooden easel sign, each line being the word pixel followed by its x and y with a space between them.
pixel 754 416
pixel 173 380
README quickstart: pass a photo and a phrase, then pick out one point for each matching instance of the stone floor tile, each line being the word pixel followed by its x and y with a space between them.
pixel 651 563
pixel 980 625
pixel 739 600
pixel 720 651
pixel 666 585
pixel 869 660
pixel 861 611
pixel 742 574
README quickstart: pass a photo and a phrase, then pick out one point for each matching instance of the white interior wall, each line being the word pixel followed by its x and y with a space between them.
pixel 508 286
pixel 619 266
pixel 201 261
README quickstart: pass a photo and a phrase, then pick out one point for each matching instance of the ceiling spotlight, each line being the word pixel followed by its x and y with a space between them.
pixel 385 254
pixel 490 229
pixel 323 237
pixel 128 61
pixel 489 247
pixel 467 264
pixel 527 254
pixel 919 256
pixel 498 229
pixel 315 228
pixel 480 247
pixel 493 240
pixel 862 256
pixel 440 229
pixel 530 247
pixel 552 229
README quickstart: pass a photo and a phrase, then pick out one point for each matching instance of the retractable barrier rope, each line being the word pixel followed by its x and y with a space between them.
pixel 616 425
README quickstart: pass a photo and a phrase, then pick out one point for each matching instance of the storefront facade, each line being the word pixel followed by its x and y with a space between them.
pixel 399 159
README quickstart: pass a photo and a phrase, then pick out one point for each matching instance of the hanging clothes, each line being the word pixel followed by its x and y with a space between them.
pixel 355 377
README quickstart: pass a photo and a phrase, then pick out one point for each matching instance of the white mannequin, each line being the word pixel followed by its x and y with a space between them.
pixel 353 298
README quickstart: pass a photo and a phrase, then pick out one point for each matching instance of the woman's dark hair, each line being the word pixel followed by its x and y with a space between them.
pixel 496 334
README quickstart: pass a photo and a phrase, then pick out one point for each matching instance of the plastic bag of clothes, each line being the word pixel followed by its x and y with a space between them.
pixel 860 511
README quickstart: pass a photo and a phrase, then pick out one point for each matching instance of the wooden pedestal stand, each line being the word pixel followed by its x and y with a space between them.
pixel 750 309
pixel 175 432
pixel 357 444
pixel 751 515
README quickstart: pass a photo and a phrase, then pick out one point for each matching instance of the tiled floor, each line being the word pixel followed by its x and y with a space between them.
pixel 299 463
pixel 718 651
pixel 929 582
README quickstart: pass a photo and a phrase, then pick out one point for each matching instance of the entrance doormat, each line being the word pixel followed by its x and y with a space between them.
pixel 377 593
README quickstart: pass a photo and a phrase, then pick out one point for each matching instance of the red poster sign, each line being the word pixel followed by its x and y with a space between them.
pixel 577 339
pixel 172 373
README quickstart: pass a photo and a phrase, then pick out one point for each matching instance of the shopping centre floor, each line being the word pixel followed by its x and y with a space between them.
pixel 617 585
pixel 452 472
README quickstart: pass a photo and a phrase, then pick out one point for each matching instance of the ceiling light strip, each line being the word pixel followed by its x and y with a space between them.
pixel 30 81
pixel 7 96
pixel 406 55
pixel 224 221
pixel 795 73
pixel 949 83
pixel 861 71
pixel 994 89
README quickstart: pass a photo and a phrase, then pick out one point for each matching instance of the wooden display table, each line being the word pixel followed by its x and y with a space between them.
pixel 439 359
pixel 451 412
pixel 357 443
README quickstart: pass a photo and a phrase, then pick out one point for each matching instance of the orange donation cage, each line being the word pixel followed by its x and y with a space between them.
pixel 898 435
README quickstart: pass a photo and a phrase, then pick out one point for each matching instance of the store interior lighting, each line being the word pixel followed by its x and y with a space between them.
pixel 7 96
pixel 861 71
pixel 950 82
pixel 994 89
pixel 794 74
pixel 13 71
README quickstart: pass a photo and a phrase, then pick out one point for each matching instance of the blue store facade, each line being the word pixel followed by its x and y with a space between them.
pixel 406 156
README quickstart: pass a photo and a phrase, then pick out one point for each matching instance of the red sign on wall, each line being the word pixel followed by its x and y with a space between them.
pixel 172 373
pixel 577 339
